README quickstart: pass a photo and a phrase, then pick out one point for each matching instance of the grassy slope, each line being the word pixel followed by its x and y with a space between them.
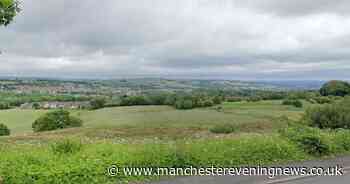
pixel 249 114
pixel 19 121
pixel 42 164
pixel 28 162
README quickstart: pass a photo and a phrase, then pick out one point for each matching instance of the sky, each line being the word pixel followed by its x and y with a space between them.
pixel 205 39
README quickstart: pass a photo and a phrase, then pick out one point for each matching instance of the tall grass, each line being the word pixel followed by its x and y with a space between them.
pixel 40 164
pixel 318 142
pixel 71 162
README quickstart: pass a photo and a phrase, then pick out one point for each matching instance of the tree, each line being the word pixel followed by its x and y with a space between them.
pixel 187 104
pixel 97 103
pixel 335 88
pixel 217 99
pixel 36 105
pixel 208 103
pixel 56 120
pixel 4 106
pixel 170 99
pixel 8 10
pixel 183 104
pixel 298 104
pixel 4 131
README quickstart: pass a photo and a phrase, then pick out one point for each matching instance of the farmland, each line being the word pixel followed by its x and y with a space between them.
pixel 156 136
pixel 246 114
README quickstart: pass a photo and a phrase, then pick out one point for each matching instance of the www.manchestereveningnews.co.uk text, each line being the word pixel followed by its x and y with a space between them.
pixel 271 172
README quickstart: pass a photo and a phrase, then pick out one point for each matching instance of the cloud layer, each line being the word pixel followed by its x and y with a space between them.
pixel 252 39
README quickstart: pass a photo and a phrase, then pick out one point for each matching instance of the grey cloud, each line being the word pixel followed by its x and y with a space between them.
pixel 116 38
pixel 300 7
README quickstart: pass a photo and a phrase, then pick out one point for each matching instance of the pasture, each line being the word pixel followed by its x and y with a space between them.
pixel 162 121
pixel 155 136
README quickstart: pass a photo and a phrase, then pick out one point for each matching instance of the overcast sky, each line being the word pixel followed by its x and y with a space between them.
pixel 230 39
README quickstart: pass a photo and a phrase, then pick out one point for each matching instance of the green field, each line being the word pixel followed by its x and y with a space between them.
pixel 251 115
pixel 158 136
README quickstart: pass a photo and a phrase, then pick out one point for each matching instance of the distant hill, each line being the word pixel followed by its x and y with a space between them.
pixel 297 84
pixel 146 84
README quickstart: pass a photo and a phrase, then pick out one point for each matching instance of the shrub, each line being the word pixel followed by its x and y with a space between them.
pixel 314 145
pixel 310 139
pixel 208 103
pixel 170 100
pixel 287 102
pixel 36 106
pixel 217 100
pixel 342 138
pixel 330 116
pixel 4 106
pixel 55 120
pixel 42 164
pixel 66 147
pixel 311 100
pixel 254 99
pixel 187 104
pixel 137 100
pixel 223 129
pixel 4 131
pixel 234 99
pixel 323 100
pixel 183 104
pixel 97 103
pixel 296 103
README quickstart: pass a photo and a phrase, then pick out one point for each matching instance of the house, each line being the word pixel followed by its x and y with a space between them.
pixel 57 105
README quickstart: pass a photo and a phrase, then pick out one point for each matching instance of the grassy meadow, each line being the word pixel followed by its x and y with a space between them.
pixel 246 114
pixel 155 136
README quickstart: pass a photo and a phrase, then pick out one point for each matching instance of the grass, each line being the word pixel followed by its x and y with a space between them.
pixel 19 121
pixel 80 161
pixel 159 136
pixel 41 164
pixel 263 109
pixel 249 115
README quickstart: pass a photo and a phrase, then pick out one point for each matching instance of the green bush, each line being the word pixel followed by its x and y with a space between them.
pixel 97 103
pixel 36 106
pixel 314 145
pixel 223 129
pixel 342 139
pixel 55 120
pixel 217 100
pixel 311 100
pixel 187 104
pixel 296 103
pixel 323 100
pixel 183 104
pixel 207 103
pixel 66 147
pixel 254 99
pixel 4 131
pixel 234 99
pixel 4 106
pixel 332 116
pixel 310 139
